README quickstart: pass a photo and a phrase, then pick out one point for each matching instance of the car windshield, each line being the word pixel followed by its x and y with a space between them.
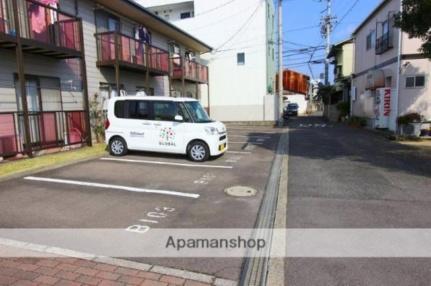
pixel 197 112
pixel 292 106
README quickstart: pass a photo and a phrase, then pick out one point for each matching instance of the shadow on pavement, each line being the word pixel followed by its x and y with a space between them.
pixel 337 141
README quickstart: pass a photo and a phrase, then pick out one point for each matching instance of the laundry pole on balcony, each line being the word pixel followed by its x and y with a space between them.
pixel 147 71
pixel 117 62
pixel 21 80
pixel 183 71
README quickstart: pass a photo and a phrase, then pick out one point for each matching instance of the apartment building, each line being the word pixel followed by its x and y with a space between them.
pixel 391 77
pixel 242 65
pixel 42 77
pixel 57 55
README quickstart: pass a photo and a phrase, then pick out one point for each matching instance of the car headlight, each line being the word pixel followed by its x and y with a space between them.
pixel 211 130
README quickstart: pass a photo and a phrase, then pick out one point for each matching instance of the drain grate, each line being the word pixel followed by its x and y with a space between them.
pixel 240 191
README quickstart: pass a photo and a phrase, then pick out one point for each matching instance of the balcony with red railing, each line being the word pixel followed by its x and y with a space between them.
pixel 49 129
pixel 44 29
pixel 193 71
pixel 130 53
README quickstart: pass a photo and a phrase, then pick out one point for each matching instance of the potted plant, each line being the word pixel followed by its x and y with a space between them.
pixel 357 122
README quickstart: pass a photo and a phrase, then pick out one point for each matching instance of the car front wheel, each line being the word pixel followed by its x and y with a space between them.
pixel 198 151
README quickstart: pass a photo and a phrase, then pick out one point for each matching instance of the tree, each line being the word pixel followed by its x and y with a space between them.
pixel 415 20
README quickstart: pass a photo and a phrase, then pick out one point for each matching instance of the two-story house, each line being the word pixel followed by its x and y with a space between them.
pixel 341 56
pixel 391 77
pixel 56 55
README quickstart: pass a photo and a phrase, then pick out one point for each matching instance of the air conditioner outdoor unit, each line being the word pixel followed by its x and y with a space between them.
pixel 411 129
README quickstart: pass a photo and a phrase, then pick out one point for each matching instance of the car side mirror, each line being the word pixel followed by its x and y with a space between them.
pixel 179 118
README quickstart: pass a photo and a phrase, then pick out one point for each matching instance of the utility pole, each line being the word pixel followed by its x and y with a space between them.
pixel 280 62
pixel 326 30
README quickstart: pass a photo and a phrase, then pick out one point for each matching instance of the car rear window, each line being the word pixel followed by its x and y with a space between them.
pixel 133 109
pixel 119 109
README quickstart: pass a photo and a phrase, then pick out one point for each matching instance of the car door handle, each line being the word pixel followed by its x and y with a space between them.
pixel 146 124
pixel 157 125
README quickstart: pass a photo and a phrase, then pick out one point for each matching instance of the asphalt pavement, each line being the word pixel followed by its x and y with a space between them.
pixel 113 192
pixel 341 177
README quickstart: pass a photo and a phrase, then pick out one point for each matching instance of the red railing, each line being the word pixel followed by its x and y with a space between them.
pixel 130 51
pixel 8 135
pixel 192 70
pixel 47 130
pixel 41 23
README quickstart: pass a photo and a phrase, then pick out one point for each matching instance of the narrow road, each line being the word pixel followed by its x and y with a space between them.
pixel 342 177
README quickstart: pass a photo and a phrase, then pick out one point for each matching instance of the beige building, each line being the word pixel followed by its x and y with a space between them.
pixel 391 77
pixel 341 56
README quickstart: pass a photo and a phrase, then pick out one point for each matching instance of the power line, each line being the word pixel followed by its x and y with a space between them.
pixel 302 28
pixel 215 8
pixel 347 13
pixel 241 28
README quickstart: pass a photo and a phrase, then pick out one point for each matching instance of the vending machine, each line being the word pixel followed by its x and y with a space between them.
pixel 383 107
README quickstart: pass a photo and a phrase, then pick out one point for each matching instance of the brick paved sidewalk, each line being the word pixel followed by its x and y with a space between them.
pixel 77 272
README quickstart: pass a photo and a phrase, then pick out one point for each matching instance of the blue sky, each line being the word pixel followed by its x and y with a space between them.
pixel 301 18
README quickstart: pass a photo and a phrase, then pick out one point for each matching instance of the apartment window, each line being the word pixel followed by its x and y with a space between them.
pixel 415 81
pixel 371 40
pixel 385 27
pixel 185 15
pixel 240 59
pixel 113 24
pixel 388 81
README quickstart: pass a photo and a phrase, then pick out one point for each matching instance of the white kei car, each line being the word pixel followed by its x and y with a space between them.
pixel 163 124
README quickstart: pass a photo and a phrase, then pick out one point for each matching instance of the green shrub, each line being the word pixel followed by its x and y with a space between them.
pixel 409 118
pixel 356 121
pixel 343 108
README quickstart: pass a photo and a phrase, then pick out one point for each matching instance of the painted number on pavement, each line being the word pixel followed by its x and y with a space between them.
pixel 152 217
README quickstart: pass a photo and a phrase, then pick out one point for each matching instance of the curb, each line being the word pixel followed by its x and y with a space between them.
pixel 277 265
pixel 255 270
pixel 56 251
pixel 49 168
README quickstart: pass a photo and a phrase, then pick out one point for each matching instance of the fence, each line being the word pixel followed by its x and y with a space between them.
pixel 47 130
pixel 41 23
pixel 192 70
pixel 130 51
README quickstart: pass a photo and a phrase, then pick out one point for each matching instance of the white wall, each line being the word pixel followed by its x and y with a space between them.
pixel 237 92
pixel 300 100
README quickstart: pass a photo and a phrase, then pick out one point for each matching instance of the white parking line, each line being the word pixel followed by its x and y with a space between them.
pixel 167 163
pixel 238 152
pixel 252 130
pixel 251 136
pixel 113 187
pixel 255 143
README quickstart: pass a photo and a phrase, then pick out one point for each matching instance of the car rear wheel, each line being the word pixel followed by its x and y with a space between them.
pixel 118 147
pixel 198 151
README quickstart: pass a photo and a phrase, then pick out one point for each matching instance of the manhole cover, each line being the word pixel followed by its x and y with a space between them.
pixel 240 191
